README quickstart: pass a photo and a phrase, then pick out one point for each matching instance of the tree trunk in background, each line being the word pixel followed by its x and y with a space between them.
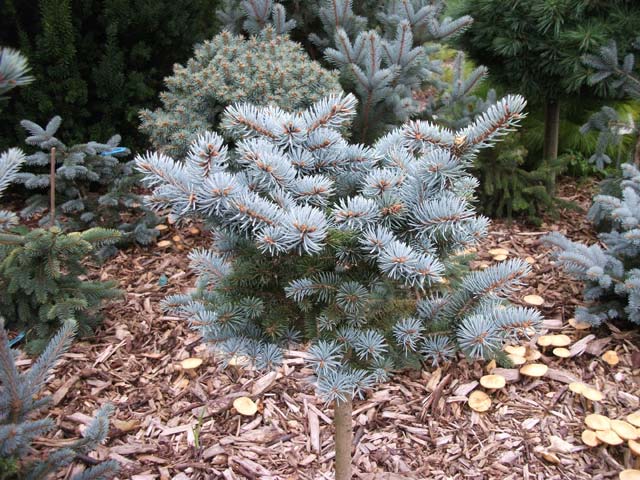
pixel 551 139
pixel 343 439
pixel 636 155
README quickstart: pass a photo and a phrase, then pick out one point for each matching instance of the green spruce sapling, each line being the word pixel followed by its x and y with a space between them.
pixel 41 281
pixel 357 249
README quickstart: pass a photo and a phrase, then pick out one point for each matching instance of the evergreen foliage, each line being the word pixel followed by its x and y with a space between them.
pixel 13 71
pixel 611 272
pixel 93 186
pixel 510 188
pixel 19 422
pixel 357 248
pixel 536 48
pixel 264 69
pixel 10 163
pixel 381 51
pixel 40 281
pixel 98 62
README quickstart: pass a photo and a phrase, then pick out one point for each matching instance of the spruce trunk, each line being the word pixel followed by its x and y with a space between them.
pixel 636 154
pixel 551 140
pixel 343 438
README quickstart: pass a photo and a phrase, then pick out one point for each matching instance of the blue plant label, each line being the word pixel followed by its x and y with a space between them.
pixel 114 151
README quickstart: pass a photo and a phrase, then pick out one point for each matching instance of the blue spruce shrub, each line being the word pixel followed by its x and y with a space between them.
pixel 358 249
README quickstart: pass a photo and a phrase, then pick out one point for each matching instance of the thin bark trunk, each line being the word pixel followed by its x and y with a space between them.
pixel 52 189
pixel 343 438
pixel 636 155
pixel 551 139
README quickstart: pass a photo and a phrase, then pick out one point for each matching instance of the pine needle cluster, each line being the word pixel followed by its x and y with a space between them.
pixel 20 406
pixel 14 71
pixel 359 249
pixel 264 69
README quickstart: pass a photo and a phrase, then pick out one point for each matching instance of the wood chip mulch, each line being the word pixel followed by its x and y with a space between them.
pixel 169 424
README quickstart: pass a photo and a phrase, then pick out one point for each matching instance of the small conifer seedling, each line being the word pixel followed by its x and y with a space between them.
pixel 93 186
pixel 19 406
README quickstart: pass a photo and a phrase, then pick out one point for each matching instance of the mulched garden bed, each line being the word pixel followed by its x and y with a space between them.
pixel 169 424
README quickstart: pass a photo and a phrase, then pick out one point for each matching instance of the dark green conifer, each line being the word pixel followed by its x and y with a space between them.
pixel 97 62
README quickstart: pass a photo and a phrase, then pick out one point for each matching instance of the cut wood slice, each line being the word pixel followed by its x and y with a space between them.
pixel 534 370
pixel 596 421
pixel 191 363
pixel 519 350
pixel 498 251
pixel 634 419
pixel 609 437
pixel 590 438
pixel 577 387
pixel 535 300
pixel 625 430
pixel 592 394
pixel 161 228
pixel 611 357
pixel 544 340
pixel 560 340
pixel 245 406
pixel 532 355
pixel 579 325
pixel 561 352
pixel 500 258
pixel 164 244
pixel 490 366
pixel 479 401
pixel 493 382
pixel 629 474
pixel 516 359
pixel 634 447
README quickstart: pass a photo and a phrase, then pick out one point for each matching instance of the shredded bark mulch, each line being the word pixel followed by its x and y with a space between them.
pixel 171 424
